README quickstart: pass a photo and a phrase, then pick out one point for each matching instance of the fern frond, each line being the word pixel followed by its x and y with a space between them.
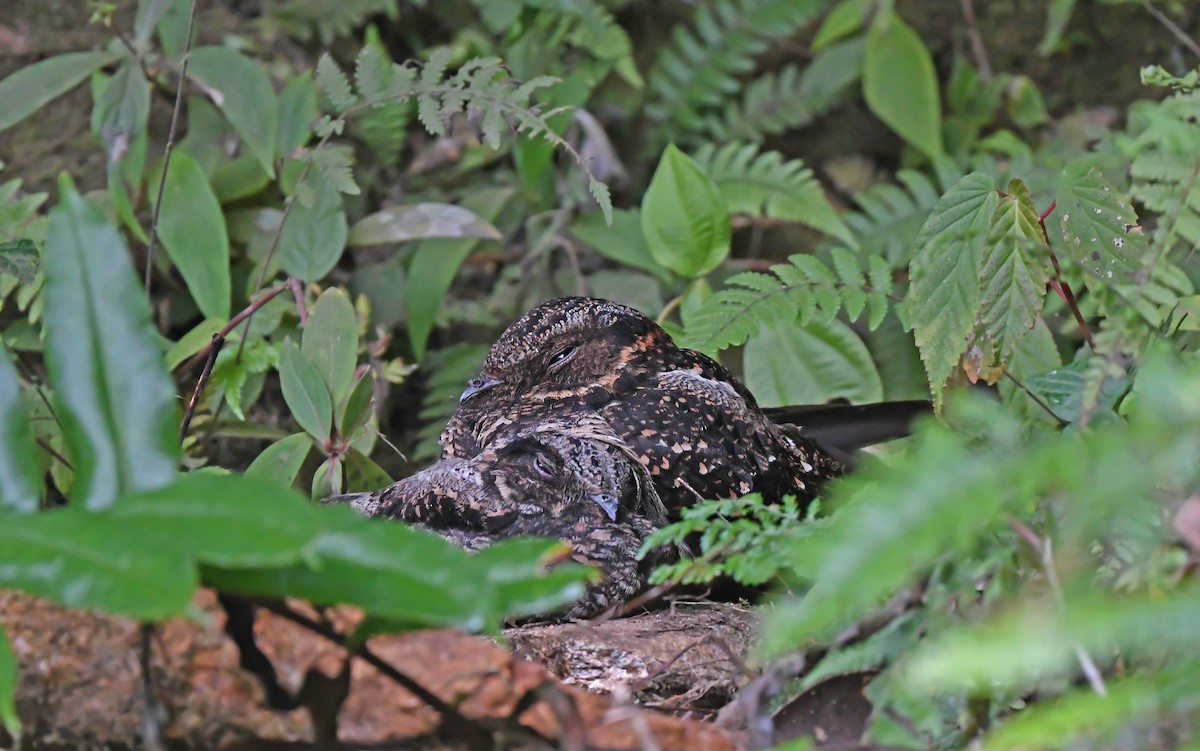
pixel 329 20
pixel 789 98
pixel 763 184
pixel 889 217
pixel 384 125
pixel 1166 168
pixel 795 292
pixel 698 70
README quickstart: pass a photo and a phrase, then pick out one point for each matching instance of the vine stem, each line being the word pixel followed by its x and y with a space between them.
pixel 1060 286
pixel 170 147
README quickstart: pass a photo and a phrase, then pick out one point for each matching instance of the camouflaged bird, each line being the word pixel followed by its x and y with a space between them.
pixel 546 483
pixel 695 428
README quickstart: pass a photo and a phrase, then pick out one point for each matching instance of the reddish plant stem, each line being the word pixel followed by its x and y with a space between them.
pixel 1061 287
pixel 250 310
pixel 214 349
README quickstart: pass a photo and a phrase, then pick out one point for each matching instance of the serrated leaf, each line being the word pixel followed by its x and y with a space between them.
pixel 419 221
pixel 436 262
pixel 242 91
pixel 117 403
pixel 314 237
pixel 305 392
pixel 20 481
pixel 1016 268
pixel 229 520
pixel 83 559
pixel 1095 223
pixel 330 340
pixel 31 87
pixel 944 298
pixel 335 163
pixel 193 233
pixel 684 218
pixel 810 364
pixel 900 84
pixel 332 81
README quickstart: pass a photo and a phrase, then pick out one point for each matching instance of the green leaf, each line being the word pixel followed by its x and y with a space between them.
pixel 763 184
pixel 944 299
pixel 810 364
pixel 20 483
pixel 305 392
pixel 362 474
pixel 516 576
pixel 19 259
pixel 33 86
pixel 379 565
pixel 1016 267
pixel 193 233
pixel 223 520
pixel 242 91
pixel 149 13
pixel 314 237
pixel 8 689
pixel 621 240
pixel 297 110
pixel 1057 15
pixel 330 340
pixel 900 84
pixel 1095 222
pixel 419 221
pixel 94 560
pixel 355 409
pixel 327 480
pixel 841 22
pixel 117 403
pixel 281 461
pixel 121 111
pixel 684 218
pixel 436 262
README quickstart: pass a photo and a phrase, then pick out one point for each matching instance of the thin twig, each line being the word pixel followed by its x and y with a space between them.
pixel 162 180
pixel 978 50
pixel 1172 27
pixel 1037 399
pixel 151 732
pixel 214 349
pixel 1043 548
pixel 1060 285
pixel 265 298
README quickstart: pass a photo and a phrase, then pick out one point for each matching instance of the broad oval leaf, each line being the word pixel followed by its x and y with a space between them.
pixel 810 364
pixel 281 461
pixel 313 237
pixel 31 87
pixel 900 84
pixel 242 91
pixel 419 221
pixel 121 110
pixel 297 110
pixel 684 218
pixel 362 474
pixel 117 403
pixel 621 240
pixel 223 520
pixel 305 392
pixel 20 485
pixel 436 262
pixel 94 560
pixel 193 233
pixel 355 409
pixel 8 689
pixel 330 340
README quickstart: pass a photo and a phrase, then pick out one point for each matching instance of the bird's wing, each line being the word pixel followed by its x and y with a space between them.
pixel 848 428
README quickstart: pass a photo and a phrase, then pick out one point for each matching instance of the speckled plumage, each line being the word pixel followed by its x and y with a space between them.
pixel 696 430
pixel 549 482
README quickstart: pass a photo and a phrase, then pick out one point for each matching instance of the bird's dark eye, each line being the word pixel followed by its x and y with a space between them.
pixel 562 355
pixel 543 466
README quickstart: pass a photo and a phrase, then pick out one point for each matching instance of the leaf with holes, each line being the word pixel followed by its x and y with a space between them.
pixel 1098 226
pixel 117 403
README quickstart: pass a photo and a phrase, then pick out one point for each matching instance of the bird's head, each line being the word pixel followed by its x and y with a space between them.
pixel 545 469
pixel 567 347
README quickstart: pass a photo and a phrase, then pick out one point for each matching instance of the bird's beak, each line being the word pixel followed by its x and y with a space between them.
pixel 609 503
pixel 476 385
